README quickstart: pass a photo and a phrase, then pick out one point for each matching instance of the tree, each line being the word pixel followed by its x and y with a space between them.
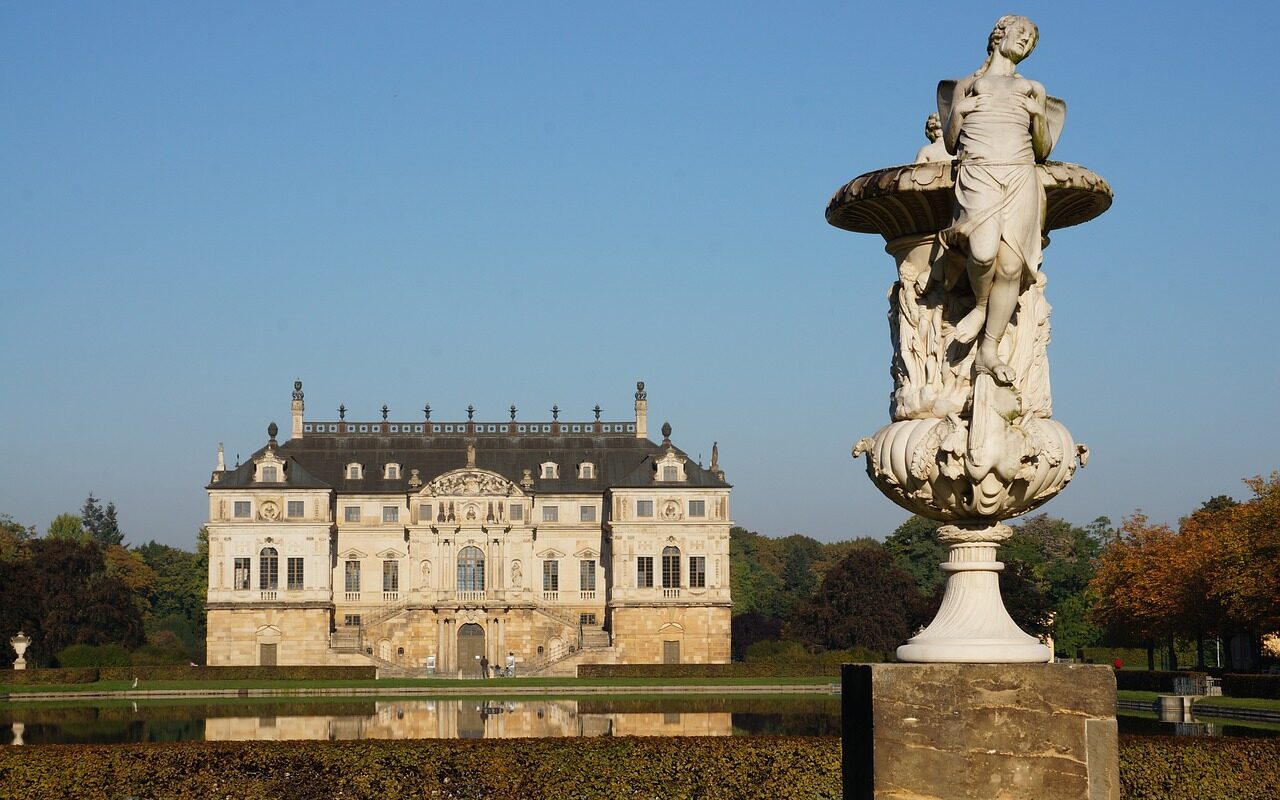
pixel 68 527
pixel 180 587
pixel 915 548
pixel 13 538
pixel 101 523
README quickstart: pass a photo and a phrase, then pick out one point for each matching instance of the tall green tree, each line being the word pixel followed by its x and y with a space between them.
pixel 101 523
pixel 916 549
pixel 69 528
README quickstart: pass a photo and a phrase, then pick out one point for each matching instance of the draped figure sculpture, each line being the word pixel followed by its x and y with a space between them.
pixel 999 125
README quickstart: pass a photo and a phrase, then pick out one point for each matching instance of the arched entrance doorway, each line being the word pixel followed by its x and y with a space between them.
pixel 470 649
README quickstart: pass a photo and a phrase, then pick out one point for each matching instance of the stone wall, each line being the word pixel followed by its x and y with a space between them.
pixel 702 633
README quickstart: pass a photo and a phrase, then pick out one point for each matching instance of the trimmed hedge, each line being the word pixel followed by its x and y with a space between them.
pixel 777 768
pixel 1198 768
pixel 184 673
pixel 1145 681
pixel 1266 686
pixel 734 670
pixel 47 677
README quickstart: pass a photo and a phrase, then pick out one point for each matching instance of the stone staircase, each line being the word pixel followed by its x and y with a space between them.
pixel 594 637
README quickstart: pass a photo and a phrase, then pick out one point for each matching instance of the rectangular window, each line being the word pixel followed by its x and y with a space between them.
pixel 670 568
pixel 587 513
pixel 270 475
pixel 351 514
pixel 390 576
pixel 550 576
pixel 698 572
pixel 393 472
pixel 697 508
pixel 241 574
pixel 550 513
pixel 353 576
pixel 670 474
pixel 424 513
pixel 586 619
pixel 295 508
pixel 644 508
pixel 390 514
pixel 644 572
pixel 295 574
pixel 517 512
pixel 351 620
pixel 242 509
pixel 587 575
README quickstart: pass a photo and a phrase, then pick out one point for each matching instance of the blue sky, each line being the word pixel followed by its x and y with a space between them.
pixel 540 204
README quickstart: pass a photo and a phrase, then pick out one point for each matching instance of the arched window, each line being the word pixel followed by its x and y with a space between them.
pixel 268 569
pixel 670 567
pixel 471 570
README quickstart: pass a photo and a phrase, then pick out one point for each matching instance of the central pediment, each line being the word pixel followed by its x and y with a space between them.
pixel 471 482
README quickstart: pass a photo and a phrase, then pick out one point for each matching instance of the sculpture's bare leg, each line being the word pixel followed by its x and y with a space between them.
pixel 984 248
pixel 1001 304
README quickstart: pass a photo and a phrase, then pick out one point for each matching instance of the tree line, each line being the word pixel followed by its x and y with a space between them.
pixel 86 598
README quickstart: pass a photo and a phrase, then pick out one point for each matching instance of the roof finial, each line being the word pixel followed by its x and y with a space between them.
pixel 384 412
pixel 640 392
pixel 715 456
pixel 666 433
pixel 471 412
pixel 597 410
pixel 272 430
pixel 555 413
pixel 297 390
pixel 426 411
pixel 342 412
pixel 222 462
pixel 513 412
pixel 471 455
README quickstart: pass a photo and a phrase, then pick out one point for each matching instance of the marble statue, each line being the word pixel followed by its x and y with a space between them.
pixel 936 150
pixel 972 441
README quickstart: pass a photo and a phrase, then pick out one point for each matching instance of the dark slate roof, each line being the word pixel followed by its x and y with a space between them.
pixel 319 461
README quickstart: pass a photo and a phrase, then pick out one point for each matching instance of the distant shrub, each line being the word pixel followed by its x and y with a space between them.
pixel 792 652
pixel 158 655
pixel 189 673
pixel 1265 686
pixel 1198 768
pixel 47 677
pixel 88 655
pixel 808 669
pixel 1144 681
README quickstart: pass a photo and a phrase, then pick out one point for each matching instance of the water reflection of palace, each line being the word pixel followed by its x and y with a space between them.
pixel 470 719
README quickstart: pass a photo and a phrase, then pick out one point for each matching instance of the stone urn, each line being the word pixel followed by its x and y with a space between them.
pixel 20 643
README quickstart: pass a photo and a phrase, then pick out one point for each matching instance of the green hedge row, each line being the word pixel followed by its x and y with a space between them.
pixel 1198 768
pixel 1267 686
pixel 1144 681
pixel 734 670
pixel 45 677
pixel 777 768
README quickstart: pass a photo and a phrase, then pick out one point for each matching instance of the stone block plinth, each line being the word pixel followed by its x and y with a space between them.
pixel 980 732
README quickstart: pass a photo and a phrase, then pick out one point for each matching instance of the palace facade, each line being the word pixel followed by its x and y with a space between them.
pixel 426 546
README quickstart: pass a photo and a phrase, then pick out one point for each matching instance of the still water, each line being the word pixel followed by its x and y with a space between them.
pixel 419 718
pixel 474 718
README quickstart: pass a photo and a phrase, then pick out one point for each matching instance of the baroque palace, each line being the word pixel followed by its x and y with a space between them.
pixel 425 547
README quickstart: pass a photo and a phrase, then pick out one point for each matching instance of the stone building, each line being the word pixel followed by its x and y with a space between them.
pixel 426 546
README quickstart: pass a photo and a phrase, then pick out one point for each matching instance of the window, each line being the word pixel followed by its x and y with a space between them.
pixel 551 513
pixel 644 572
pixel 550 471
pixel 390 514
pixel 517 511
pixel 670 567
pixel 390 576
pixel 586 619
pixel 353 576
pixel 670 474
pixel 587 472
pixel 241 574
pixel 270 475
pixel 392 472
pixel 268 568
pixel 351 620
pixel 587 514
pixel 471 569
pixel 644 508
pixel 424 513
pixel 242 509
pixel 295 574
pixel 698 572
pixel 295 508
pixel 551 576
pixel 697 508
pixel 351 514
pixel 587 575
pixel 354 472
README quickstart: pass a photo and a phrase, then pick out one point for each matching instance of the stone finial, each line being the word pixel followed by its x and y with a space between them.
pixel 527 480
pixel 666 433
pixel 414 478
pixel 641 394
pixel 471 412
pixel 297 390
pixel 715 456
pixel 426 412
pixel 471 455
pixel 384 412
pixel 272 430
pixel 222 462
pixel 597 409
pixel 513 412
pixel 342 412
pixel 555 413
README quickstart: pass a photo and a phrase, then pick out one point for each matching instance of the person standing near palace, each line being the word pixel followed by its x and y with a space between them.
pixel 484 666
pixel 511 665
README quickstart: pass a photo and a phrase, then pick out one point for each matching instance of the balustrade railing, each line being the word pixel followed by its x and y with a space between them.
pixel 551 596
pixel 390 597
pixel 670 592
pixel 587 595
pixel 353 597
pixel 269 594
pixel 471 596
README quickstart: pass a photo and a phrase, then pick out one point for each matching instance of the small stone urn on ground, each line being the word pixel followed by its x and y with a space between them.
pixel 20 643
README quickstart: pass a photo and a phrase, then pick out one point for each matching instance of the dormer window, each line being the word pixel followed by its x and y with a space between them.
pixel 355 472
pixel 586 471
pixel 670 474
pixel 391 472
pixel 270 474
pixel 550 471
pixel 669 468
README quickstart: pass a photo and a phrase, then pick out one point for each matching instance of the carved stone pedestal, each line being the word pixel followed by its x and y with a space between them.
pixel 980 732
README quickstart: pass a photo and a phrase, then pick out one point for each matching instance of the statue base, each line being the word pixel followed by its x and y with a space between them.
pixel 979 732
pixel 972 625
